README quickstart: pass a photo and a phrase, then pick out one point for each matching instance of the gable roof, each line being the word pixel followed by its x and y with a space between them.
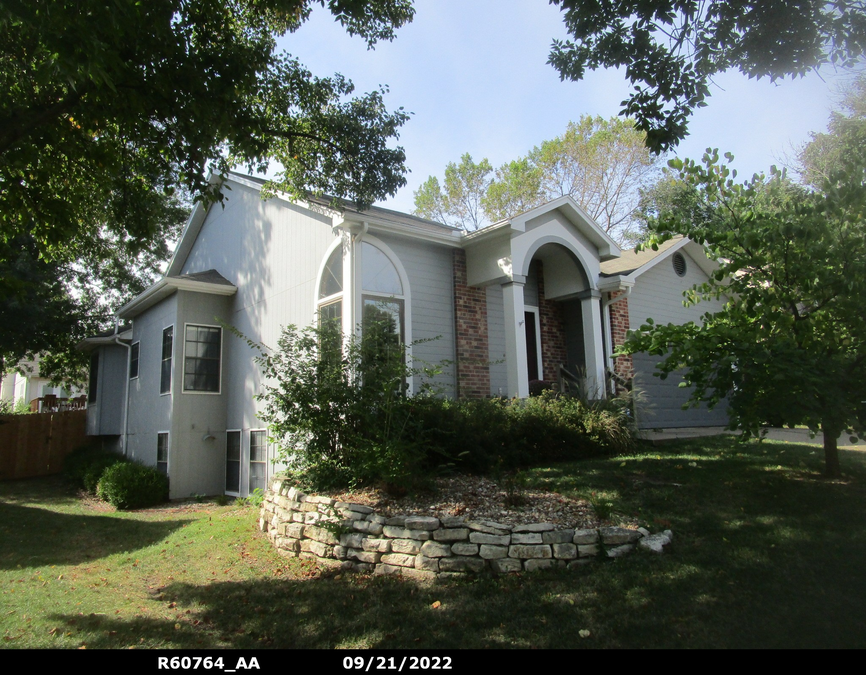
pixel 632 264
pixel 633 260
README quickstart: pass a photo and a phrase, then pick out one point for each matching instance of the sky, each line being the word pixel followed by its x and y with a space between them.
pixel 475 77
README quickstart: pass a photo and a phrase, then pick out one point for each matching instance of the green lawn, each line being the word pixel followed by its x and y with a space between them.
pixel 766 553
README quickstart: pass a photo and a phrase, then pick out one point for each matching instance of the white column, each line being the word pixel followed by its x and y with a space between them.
pixel 348 308
pixel 515 339
pixel 590 306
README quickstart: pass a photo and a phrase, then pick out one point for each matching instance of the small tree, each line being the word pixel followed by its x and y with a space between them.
pixel 789 346
pixel 340 416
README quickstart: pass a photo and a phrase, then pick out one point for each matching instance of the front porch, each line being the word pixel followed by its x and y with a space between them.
pixel 527 302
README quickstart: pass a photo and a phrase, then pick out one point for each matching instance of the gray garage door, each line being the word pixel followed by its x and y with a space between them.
pixel 662 402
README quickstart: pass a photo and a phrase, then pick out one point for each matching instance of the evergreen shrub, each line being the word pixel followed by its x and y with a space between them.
pixel 130 485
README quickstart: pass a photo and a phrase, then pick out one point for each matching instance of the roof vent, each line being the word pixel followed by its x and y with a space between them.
pixel 679 264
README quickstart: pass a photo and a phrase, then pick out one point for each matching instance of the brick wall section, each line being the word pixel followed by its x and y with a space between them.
pixel 553 349
pixel 619 324
pixel 470 316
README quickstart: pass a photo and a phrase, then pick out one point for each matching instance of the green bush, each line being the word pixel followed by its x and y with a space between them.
pixel 342 418
pixel 130 485
pixel 84 466
pixel 484 435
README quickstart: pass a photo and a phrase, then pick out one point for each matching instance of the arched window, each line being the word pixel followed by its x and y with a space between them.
pixel 331 289
pixel 382 296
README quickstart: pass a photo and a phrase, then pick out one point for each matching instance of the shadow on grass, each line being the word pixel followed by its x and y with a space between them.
pixel 765 554
pixel 31 536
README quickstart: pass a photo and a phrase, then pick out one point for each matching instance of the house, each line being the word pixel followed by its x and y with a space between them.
pixel 26 384
pixel 524 299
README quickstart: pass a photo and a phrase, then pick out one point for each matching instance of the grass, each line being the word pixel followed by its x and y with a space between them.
pixel 766 553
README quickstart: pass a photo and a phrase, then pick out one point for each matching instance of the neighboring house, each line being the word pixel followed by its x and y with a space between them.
pixel 24 383
pixel 508 304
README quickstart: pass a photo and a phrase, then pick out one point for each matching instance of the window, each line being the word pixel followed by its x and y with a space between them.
pixel 383 307
pixel 165 372
pixel 94 376
pixel 201 364
pixel 162 452
pixel 233 462
pixel 133 360
pixel 258 460
pixel 331 290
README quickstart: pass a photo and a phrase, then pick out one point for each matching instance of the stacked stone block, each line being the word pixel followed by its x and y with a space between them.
pixel 355 537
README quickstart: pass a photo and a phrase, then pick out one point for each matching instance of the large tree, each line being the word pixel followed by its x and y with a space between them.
pixel 670 50
pixel 602 164
pixel 789 346
pixel 461 202
pixel 109 108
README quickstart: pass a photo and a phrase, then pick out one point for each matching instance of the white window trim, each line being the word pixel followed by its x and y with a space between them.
pixel 173 359
pixel 240 433
pixel 250 454
pixel 317 301
pixel 183 388
pixel 167 452
pixel 129 361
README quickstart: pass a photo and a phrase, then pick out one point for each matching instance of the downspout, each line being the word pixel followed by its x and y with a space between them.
pixel 126 383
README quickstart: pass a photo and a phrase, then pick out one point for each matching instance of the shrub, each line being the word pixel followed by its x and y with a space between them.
pixel 84 466
pixel 341 417
pixel 130 485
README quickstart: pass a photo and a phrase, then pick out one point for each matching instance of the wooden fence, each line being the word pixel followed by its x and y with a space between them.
pixel 35 445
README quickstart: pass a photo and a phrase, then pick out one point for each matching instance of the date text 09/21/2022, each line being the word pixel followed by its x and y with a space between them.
pixel 391 663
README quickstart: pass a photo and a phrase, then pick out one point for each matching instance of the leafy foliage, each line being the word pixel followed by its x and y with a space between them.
pixel 111 111
pixel 84 466
pixel 461 203
pixel 602 164
pixel 130 485
pixel 671 49
pixel 340 415
pixel 843 143
pixel 789 345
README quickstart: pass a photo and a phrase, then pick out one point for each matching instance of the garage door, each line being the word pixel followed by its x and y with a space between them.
pixel 661 407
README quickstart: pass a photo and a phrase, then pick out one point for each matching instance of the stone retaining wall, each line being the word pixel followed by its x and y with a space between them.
pixel 355 537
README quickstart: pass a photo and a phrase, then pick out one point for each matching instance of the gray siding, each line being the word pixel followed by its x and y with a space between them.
pixel 149 411
pixel 271 250
pixel 104 415
pixel 496 341
pixel 658 293
pixel 197 452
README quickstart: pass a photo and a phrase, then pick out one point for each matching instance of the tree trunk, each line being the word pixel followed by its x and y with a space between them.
pixel 831 452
